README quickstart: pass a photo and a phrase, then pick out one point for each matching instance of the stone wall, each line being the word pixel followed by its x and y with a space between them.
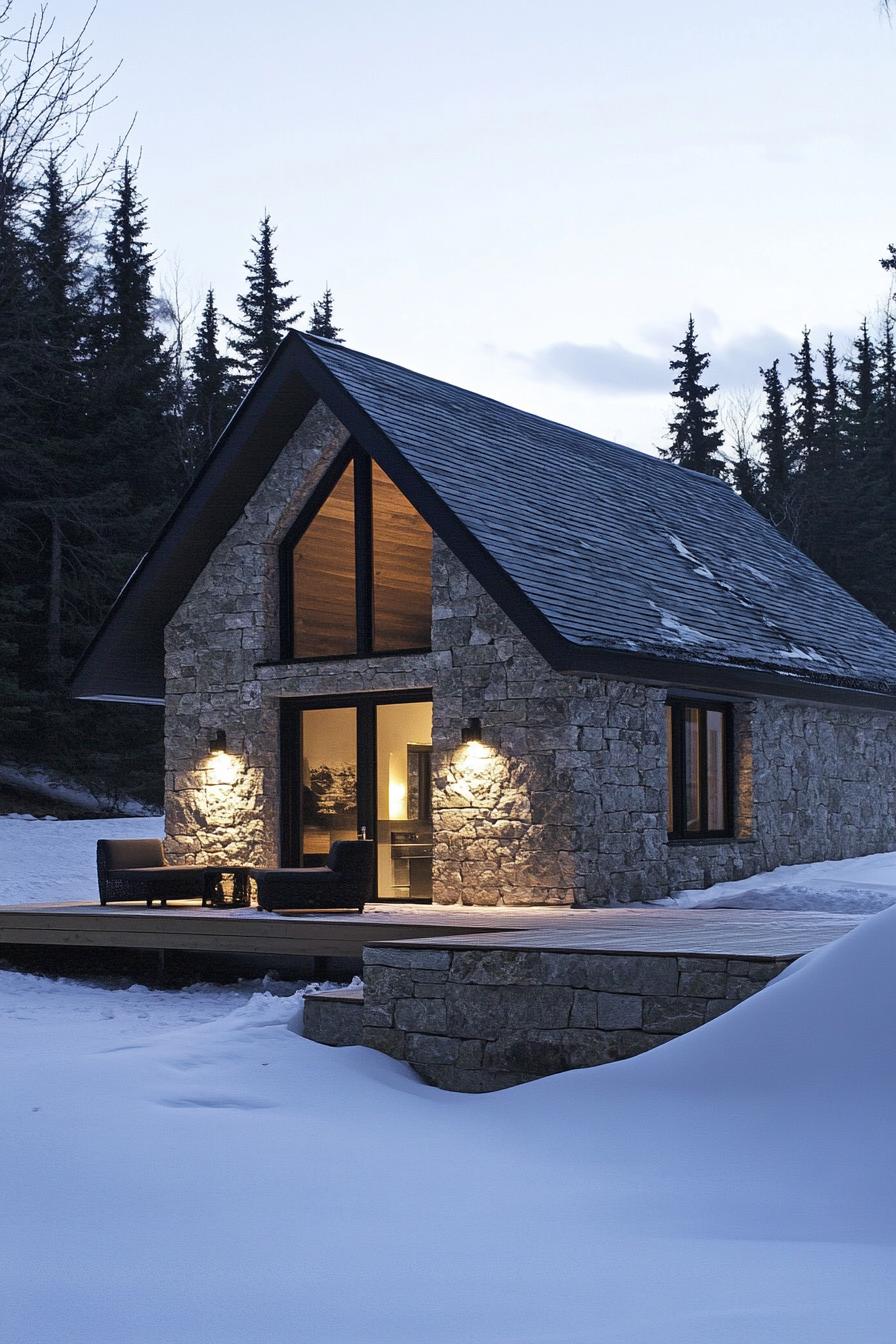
pixel 221 672
pixel 476 1021
pixel 566 801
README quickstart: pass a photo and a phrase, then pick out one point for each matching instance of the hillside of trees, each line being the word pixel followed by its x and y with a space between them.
pixel 111 395
pixel 814 450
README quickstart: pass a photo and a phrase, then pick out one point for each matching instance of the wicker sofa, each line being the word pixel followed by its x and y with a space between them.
pixel 345 883
pixel 136 870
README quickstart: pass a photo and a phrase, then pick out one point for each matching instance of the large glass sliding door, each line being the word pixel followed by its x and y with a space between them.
pixel 361 767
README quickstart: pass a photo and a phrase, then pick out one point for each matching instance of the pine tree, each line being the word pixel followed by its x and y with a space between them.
pixel 322 318
pixel 63 503
pixel 886 372
pixel 695 438
pixel 747 477
pixel 266 313
pixel 860 393
pixel 777 453
pixel 804 416
pixel 129 367
pixel 18 477
pixel 830 429
pixel 213 395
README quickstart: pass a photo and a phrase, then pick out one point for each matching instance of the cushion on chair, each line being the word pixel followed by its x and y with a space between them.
pixel 352 860
pixel 131 853
pixel 168 875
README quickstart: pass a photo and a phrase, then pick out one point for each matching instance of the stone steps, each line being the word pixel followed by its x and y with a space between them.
pixel 333 1016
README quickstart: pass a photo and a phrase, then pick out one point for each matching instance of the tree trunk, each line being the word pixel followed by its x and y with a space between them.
pixel 54 608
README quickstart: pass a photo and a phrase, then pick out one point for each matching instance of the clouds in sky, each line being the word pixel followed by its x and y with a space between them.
pixel 612 367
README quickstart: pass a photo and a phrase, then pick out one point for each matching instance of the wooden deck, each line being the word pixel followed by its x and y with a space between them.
pixel 752 934
pixel 190 928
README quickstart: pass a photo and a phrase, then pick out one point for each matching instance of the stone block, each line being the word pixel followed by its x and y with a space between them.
pixel 427 990
pixel 619 1011
pixel 377 1014
pixel 753 970
pixel 583 1013
pixel 702 984
pixel 488 1011
pixel 386 1039
pixel 426 1049
pixel 421 1015
pixel 532 1054
pixel 330 1022
pixel 388 982
pixel 673 1016
pixel 636 974
pixel 410 958
pixel 497 968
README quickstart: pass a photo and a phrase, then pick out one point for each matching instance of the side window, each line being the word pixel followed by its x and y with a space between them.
pixel 700 768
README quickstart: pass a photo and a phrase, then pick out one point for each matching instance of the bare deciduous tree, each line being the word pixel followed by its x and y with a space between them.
pixel 48 94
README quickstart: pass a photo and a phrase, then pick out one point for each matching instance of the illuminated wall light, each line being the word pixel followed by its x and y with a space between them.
pixel 472 730
pixel 218 744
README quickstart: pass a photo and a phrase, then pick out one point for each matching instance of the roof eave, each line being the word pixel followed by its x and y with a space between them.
pixel 720 678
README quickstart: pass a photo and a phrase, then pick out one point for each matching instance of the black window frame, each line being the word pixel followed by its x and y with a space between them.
pixel 353 454
pixel 365 705
pixel 677 833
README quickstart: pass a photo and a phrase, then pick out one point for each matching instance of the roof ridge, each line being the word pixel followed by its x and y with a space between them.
pixel 639 453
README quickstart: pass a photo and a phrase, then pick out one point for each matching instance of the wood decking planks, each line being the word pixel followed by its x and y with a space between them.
pixel 746 933
pixel 752 934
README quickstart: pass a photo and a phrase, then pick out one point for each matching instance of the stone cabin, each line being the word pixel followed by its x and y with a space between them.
pixel 535 666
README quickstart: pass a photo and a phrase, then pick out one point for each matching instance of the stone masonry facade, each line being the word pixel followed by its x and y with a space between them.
pixel 565 800
pixel 477 1021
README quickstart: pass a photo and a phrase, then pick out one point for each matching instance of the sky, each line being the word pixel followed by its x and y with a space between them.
pixel 527 199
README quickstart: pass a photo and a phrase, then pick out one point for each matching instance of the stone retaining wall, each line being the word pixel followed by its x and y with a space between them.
pixel 477 1021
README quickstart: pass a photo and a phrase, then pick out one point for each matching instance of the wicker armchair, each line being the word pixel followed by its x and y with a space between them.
pixel 346 881
pixel 135 870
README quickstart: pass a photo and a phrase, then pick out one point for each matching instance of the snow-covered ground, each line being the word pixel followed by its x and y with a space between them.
pixel 47 861
pixel 845 886
pixel 184 1166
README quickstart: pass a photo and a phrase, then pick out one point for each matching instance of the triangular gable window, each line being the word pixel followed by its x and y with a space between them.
pixel 357 571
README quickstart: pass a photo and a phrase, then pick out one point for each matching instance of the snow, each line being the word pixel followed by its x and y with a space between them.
pixel 686 634
pixel 757 574
pixel 185 1166
pixel 699 567
pixel 56 789
pixel 43 862
pixel 804 655
pixel 844 886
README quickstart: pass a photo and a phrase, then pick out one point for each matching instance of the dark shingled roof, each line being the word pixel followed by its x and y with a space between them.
pixel 617 549
pixel 607 558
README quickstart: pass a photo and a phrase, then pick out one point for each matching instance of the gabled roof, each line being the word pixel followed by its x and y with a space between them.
pixel 608 559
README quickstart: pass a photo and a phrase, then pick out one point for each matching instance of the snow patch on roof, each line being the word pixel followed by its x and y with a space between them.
pixel 684 634
pixel 756 573
pixel 699 567
pixel 803 655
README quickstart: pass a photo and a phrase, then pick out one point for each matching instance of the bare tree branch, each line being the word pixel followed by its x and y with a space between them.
pixel 49 92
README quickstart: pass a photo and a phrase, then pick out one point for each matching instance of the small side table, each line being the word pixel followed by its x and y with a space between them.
pixel 216 896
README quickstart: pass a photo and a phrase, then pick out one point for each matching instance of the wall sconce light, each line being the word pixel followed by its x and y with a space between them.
pixel 472 730
pixel 218 744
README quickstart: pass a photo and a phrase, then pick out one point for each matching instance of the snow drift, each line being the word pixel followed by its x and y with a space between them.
pixel 229 1181
pixel 843 886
